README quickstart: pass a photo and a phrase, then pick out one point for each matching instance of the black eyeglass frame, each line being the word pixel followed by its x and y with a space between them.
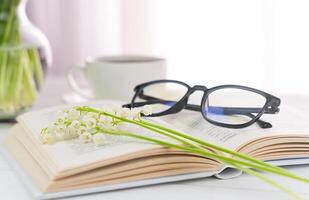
pixel 271 105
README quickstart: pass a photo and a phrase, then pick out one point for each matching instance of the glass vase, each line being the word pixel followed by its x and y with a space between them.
pixel 21 77
pixel 25 55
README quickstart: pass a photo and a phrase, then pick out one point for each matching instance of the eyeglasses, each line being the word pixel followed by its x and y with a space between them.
pixel 230 106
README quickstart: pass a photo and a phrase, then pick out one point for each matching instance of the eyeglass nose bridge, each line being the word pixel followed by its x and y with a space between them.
pixel 198 87
pixel 182 103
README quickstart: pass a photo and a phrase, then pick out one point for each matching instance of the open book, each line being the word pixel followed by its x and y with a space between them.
pixel 71 168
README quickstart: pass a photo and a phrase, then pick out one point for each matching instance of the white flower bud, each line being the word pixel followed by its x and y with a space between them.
pixel 89 122
pixel 86 137
pixel 124 112
pixel 135 113
pixel 75 124
pixel 147 110
pixel 101 124
pixel 121 126
pixel 61 120
pixel 60 128
pixel 99 139
pixel 61 117
pixel 59 131
pixel 92 115
pixel 105 119
pixel 50 130
pixel 81 130
pixel 48 138
pixel 73 115
pixel 70 133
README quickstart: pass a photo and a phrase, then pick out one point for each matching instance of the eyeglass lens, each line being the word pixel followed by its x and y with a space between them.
pixel 169 93
pixel 233 106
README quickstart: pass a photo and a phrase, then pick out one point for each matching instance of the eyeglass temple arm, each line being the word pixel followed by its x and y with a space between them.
pixel 228 111
pixel 233 111
pixel 143 103
pixel 225 110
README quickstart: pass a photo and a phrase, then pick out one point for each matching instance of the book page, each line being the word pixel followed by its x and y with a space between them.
pixel 72 153
pixel 288 121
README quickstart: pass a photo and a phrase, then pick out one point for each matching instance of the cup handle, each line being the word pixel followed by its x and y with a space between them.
pixel 84 92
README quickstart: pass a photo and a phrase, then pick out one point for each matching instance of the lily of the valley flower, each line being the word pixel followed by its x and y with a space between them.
pixel 90 122
pixel 99 139
pixel 147 110
pixel 99 126
pixel 86 137
pixel 70 124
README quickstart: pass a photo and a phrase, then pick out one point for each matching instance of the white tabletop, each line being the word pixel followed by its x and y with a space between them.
pixel 243 187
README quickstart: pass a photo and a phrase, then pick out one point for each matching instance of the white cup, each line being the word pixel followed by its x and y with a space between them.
pixel 114 77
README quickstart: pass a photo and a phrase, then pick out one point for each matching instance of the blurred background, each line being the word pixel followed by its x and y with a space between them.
pixel 259 43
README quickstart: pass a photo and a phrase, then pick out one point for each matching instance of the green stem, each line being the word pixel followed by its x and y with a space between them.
pixel 234 153
pixel 262 165
pixel 34 59
pixel 17 87
pixel 9 25
pixel 30 93
pixel 3 69
pixel 19 76
pixel 202 152
pixel 269 181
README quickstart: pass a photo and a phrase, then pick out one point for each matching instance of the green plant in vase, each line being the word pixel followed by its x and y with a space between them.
pixel 21 73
